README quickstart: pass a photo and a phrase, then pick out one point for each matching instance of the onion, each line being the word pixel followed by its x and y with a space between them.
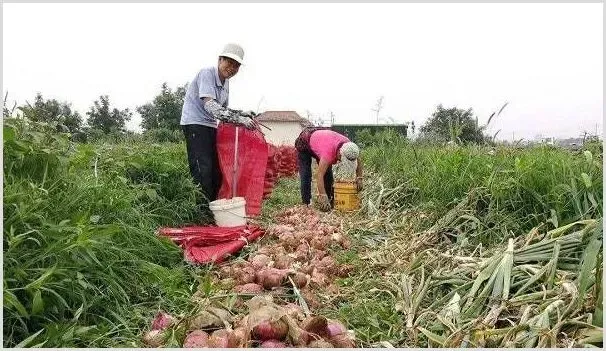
pixel 320 344
pixel 238 338
pixel 318 243
pixel 250 288
pixel 345 243
pixel 300 280
pixel 245 275
pixel 283 262
pixel 204 320
pixel 307 269
pixel 225 271
pixel 272 344
pixel 267 330
pixel 301 338
pixel 195 339
pixel 219 338
pixel 293 310
pixel 317 325
pixel 338 237
pixel 271 277
pixel 343 341
pixel 162 321
pixel 319 278
pixel 260 261
pixel 335 328
pixel 289 240
pixel 154 338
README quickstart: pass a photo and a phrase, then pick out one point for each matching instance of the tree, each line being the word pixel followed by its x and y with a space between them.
pixel 165 110
pixel 106 120
pixel 454 125
pixel 52 111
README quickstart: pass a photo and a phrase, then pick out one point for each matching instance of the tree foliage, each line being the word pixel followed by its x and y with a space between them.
pixel 164 112
pixel 52 111
pixel 105 119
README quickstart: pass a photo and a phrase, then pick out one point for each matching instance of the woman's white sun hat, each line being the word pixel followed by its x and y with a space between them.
pixel 350 150
pixel 233 51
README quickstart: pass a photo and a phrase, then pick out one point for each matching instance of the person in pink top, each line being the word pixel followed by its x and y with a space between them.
pixel 327 147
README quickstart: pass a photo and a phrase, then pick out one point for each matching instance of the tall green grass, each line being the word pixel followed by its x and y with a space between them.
pixel 520 188
pixel 83 266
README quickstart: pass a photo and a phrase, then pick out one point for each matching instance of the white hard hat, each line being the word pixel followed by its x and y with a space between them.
pixel 350 150
pixel 233 51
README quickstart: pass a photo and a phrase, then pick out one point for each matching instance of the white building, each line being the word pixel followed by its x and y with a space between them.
pixel 285 126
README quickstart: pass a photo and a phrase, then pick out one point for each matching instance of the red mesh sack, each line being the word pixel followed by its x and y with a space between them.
pixel 251 165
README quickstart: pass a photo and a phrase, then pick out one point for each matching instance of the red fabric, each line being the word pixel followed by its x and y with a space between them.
pixel 251 165
pixel 211 244
pixel 281 162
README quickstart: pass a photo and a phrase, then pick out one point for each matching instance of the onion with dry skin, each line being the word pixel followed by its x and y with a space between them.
pixel 196 339
pixel 320 279
pixel 238 338
pixel 225 271
pixel 300 280
pixel 272 344
pixel 245 275
pixel 335 328
pixel 318 243
pixel 271 277
pixel 267 330
pixel 320 344
pixel 260 261
pixel 219 339
pixel 294 311
pixel 283 262
pixel 162 321
pixel 250 288
pixel 289 240
pixel 154 338
pixel 343 341
pixel 316 325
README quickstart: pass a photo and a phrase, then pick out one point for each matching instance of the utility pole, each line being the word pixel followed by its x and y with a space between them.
pixel 259 104
pixel 378 108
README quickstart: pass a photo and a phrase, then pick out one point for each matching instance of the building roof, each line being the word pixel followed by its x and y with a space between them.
pixel 371 125
pixel 281 116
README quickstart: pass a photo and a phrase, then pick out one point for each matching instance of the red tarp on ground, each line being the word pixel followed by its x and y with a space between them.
pixel 211 244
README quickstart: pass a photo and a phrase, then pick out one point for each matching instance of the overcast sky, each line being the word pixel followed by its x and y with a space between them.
pixel 545 59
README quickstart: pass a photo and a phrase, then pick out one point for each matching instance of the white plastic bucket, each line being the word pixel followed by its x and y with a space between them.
pixel 229 212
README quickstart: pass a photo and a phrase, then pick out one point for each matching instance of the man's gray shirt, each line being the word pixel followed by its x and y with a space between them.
pixel 205 84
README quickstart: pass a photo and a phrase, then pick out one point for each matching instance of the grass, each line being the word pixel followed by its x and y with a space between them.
pixel 84 268
pixel 82 263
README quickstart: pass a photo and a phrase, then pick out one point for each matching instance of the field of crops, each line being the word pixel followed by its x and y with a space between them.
pixel 454 246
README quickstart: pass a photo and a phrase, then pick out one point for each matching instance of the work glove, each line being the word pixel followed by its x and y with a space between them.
pixel 322 203
pixel 247 122
pixel 359 184
pixel 249 113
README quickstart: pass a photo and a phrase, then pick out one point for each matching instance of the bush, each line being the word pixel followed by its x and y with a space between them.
pixel 163 135
pixel 83 266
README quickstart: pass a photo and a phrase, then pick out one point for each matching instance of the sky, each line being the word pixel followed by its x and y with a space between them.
pixel 545 59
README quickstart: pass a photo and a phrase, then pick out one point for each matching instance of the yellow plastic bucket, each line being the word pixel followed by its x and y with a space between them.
pixel 346 196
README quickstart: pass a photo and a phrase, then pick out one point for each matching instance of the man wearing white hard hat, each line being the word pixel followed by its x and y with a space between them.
pixel 327 147
pixel 204 106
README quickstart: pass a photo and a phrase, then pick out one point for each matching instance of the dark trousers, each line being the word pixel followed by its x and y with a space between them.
pixel 305 177
pixel 201 142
